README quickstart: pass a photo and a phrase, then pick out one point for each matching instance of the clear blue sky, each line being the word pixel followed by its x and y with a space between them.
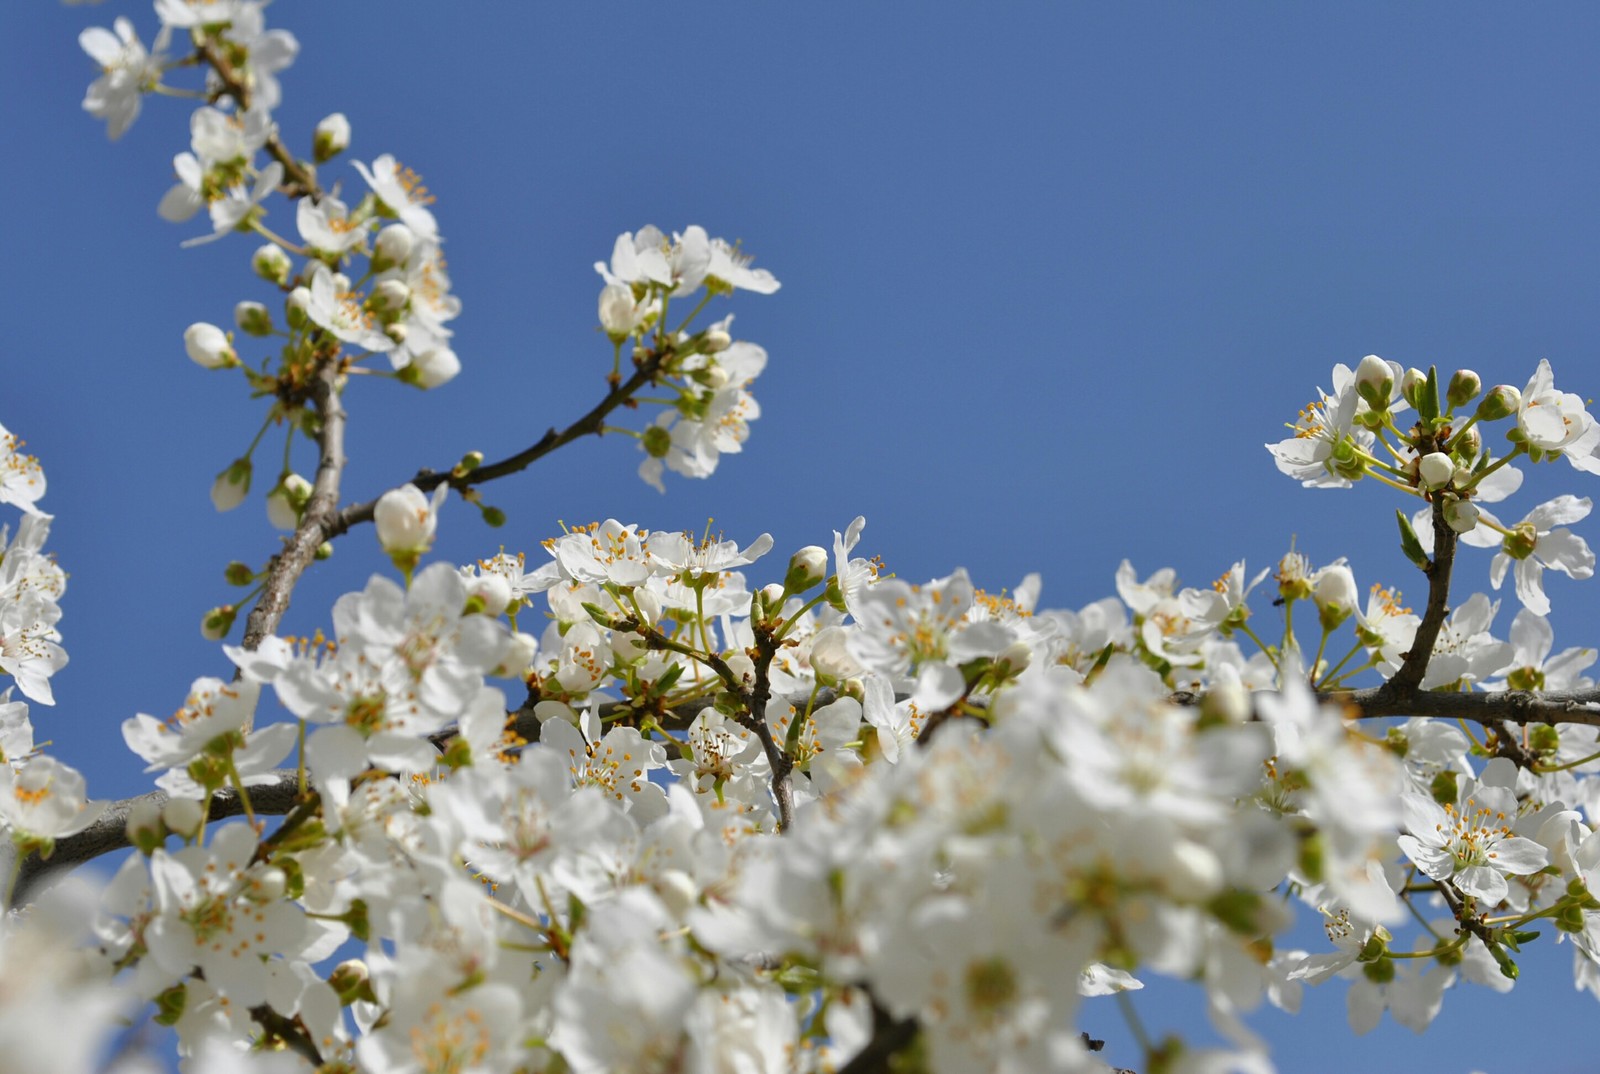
pixel 1051 275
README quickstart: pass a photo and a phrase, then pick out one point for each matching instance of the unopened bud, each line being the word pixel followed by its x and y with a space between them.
pixel 324 550
pixel 1225 703
pixel 295 306
pixel 406 519
pixel 232 485
pixel 216 623
pixel 1411 384
pixel 432 368
pixel 807 567
pixel 469 462
pixel 1435 470
pixel 618 311
pixel 144 826
pixel 252 318
pixel 182 816
pixel 1502 401
pixel 1461 515
pixel 1375 382
pixel 1015 657
pixel 287 500
pixel 237 573
pixel 520 653
pixel 271 264
pixel 331 137
pixel 716 340
pixel 390 295
pixel 1464 388
pixel 1334 591
pixel 209 346
pixel 392 247
pixel 489 594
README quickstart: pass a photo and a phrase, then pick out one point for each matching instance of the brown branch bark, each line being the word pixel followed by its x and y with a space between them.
pixel 427 480
pixel 301 548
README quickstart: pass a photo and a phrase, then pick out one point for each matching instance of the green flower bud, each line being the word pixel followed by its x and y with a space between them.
pixel 1502 401
pixel 272 264
pixel 1464 387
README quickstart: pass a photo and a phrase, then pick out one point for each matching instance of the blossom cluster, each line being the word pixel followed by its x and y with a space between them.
pixel 614 803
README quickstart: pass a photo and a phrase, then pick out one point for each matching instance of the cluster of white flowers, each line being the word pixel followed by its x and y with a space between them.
pixel 728 826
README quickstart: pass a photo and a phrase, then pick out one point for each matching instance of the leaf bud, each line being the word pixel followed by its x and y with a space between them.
pixel 271 264
pixel 324 550
pixel 1464 388
pixel 493 516
pixel 1502 401
pixel 330 138
pixel 209 346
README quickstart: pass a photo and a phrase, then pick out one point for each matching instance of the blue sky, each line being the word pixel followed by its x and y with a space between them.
pixel 1052 275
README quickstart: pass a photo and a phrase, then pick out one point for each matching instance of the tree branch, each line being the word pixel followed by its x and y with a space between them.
pixel 648 370
pixel 301 548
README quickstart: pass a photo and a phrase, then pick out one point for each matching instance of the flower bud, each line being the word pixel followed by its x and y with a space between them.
pixel 331 137
pixel 287 500
pixel 1464 388
pixel 1411 383
pixel 295 306
pixel 216 623
pixel 432 368
pixel 488 593
pixel 1469 445
pixel 237 573
pixel 1333 588
pixel 1435 470
pixel 144 825
pixel 182 816
pixel 807 567
pixel 716 340
pixel 524 647
pixel 771 599
pixel 406 520
pixel 1502 401
pixel 252 318
pixel 1461 515
pixel 209 346
pixel 349 980
pixel 1375 382
pixel 618 311
pixel 232 485
pixel 271 264
pixel 392 247
pixel 390 295
pixel 1015 658
pixel 397 331
pixel 1226 703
